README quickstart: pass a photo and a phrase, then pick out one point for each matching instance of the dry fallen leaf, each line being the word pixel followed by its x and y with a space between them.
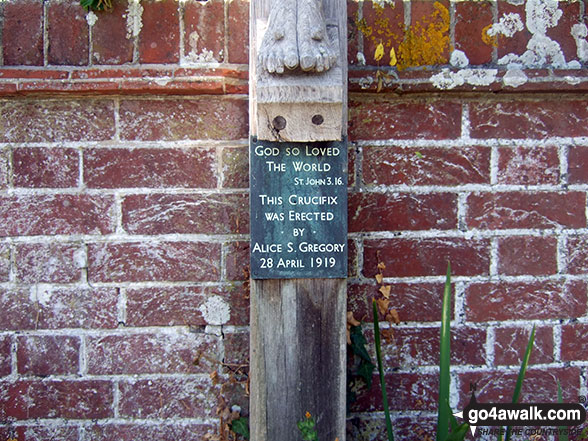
pixel 351 321
pixel 395 316
pixel 383 305
pixel 379 278
pixel 385 290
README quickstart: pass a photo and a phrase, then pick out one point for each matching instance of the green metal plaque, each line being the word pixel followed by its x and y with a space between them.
pixel 298 208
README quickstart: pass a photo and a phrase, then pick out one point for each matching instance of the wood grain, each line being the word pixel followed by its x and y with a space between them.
pixel 298 364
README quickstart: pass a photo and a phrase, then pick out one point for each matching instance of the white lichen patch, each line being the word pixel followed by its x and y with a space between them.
pixel 215 311
pixel 447 79
pixel 361 58
pixel 458 59
pixel 134 18
pixel 91 18
pixel 508 25
pixel 80 258
pixel 514 78
pixel 41 293
pixel 383 3
pixel 198 55
pixel 541 51
pixel 580 32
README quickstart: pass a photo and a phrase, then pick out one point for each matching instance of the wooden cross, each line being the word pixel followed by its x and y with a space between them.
pixel 298 183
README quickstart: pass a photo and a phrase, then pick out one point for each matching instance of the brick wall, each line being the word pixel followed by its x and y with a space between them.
pixel 124 211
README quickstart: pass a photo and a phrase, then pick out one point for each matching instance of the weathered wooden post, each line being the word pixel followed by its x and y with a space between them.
pixel 298 183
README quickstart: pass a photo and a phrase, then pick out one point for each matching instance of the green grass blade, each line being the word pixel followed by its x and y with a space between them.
pixel 517 392
pixel 381 372
pixel 563 431
pixel 444 361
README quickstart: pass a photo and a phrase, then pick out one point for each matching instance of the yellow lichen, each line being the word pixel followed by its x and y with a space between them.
pixel 426 42
pixel 490 40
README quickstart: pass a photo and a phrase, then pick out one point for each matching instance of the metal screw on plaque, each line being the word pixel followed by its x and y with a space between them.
pixel 279 123
pixel 317 120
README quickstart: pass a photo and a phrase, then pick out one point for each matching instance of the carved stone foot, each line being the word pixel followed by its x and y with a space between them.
pixel 314 50
pixel 279 48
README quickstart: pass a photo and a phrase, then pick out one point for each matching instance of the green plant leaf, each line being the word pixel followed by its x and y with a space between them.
pixel 444 361
pixel 241 427
pixel 459 433
pixel 358 343
pixel 381 371
pixel 563 431
pixel 525 362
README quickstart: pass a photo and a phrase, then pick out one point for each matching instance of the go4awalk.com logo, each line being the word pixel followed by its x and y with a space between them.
pixel 561 416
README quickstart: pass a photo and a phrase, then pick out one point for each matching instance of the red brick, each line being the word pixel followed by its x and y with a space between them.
pixel 352 161
pixel 578 165
pixel 181 306
pixel 510 345
pixel 162 353
pixel 495 211
pixel 5 355
pixel 4 263
pixel 577 254
pixel 178 119
pixel 414 302
pixel 528 119
pixel 237 348
pixel 573 342
pixel 186 214
pixel 45 167
pixel 84 399
pixel 204 30
pixel 154 261
pixel 426 257
pixel 415 347
pixel 52 262
pixel 423 14
pixel 561 33
pixel 387 26
pixel 517 44
pixel 167 398
pixel 159 41
pixel 470 20
pixel 56 120
pixel 43 307
pixel 402 211
pixel 22 39
pixel 404 120
pixel 539 386
pixel 528 166
pixel 30 215
pixel 352 259
pixel 32 432
pixel 235 167
pixel 68 33
pixel 238 32
pixel 488 301
pixel 426 166
pixel 44 355
pixel 411 391
pixel 149 167
pixel 527 255
pixel 237 263
pixel 110 44
pixel 168 431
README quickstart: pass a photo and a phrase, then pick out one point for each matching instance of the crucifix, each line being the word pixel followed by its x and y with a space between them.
pixel 298 204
